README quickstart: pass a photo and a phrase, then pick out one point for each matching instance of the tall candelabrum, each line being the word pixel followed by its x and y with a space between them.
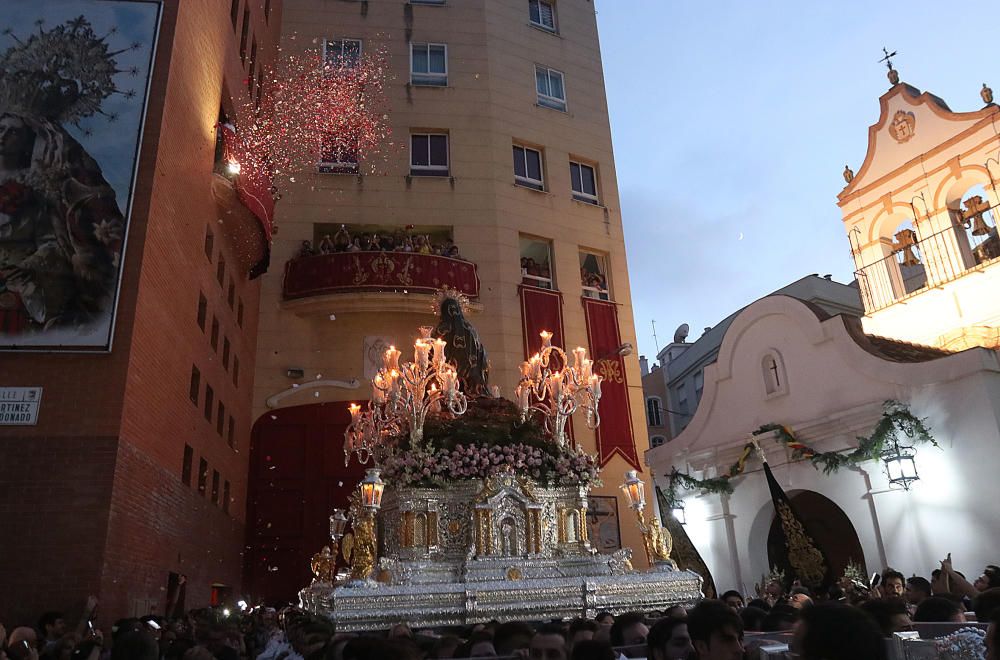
pixel 554 387
pixel 402 396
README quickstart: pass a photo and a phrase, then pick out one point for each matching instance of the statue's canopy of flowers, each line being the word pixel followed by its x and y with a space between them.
pixel 486 439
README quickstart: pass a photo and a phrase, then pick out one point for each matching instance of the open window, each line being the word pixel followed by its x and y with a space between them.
pixel 594 275
pixel 536 262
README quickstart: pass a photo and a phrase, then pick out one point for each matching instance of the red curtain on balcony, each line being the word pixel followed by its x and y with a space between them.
pixel 378 271
pixel 614 435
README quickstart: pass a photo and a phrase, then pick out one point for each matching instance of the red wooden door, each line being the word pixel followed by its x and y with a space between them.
pixel 297 477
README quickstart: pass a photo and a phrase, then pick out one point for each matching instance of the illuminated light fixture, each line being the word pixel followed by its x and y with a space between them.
pixel 372 487
pixel 900 464
pixel 242 604
pixel 635 490
pixel 338 523
pixel 233 167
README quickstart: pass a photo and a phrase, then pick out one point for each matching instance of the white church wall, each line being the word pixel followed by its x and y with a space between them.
pixel 929 315
pixel 835 392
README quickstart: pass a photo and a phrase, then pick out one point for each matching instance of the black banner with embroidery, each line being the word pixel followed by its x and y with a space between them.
pixel 803 558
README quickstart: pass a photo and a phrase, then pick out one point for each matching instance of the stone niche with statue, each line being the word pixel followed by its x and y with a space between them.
pixel 485 500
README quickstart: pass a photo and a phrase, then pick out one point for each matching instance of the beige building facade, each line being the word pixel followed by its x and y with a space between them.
pixel 508 98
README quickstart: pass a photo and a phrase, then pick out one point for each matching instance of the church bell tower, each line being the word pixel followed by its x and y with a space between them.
pixel 921 217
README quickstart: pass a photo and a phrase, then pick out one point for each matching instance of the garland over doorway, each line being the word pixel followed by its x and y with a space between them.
pixel 896 419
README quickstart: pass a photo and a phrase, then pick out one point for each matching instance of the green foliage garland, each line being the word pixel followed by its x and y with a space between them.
pixel 896 419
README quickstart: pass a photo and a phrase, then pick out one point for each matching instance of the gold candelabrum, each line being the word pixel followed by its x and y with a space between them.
pixel 402 396
pixel 324 562
pixel 552 386
pixel 657 541
pixel 365 504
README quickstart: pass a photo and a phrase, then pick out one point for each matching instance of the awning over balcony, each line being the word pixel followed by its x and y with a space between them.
pixel 398 272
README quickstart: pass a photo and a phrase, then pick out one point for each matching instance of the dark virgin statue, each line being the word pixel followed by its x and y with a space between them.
pixel 464 348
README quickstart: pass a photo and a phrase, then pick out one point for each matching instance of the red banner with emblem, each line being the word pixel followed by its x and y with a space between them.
pixel 614 435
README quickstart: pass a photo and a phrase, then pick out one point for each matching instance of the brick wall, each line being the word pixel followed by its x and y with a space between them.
pixel 157 526
pixel 54 501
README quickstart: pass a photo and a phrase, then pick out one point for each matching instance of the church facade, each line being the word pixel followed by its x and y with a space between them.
pixel 919 215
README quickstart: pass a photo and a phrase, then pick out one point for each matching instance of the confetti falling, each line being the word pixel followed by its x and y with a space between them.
pixel 321 110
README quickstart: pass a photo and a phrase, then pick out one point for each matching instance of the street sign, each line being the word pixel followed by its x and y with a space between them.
pixel 19 405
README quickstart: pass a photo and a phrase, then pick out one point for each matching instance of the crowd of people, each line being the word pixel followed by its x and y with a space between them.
pixel 401 240
pixel 849 621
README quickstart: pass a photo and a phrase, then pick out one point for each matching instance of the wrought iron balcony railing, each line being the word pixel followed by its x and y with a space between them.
pixel 928 262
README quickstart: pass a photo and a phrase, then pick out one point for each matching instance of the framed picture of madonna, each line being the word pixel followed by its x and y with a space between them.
pixel 74 81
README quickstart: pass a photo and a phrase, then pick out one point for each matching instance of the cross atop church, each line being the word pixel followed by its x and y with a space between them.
pixel 893 75
pixel 888 62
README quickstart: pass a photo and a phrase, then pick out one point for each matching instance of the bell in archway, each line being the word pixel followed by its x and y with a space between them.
pixel 975 207
pixel 906 240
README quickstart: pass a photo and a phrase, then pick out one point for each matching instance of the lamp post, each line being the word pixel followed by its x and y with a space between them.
pixel 367 504
pixel 556 388
pixel 656 540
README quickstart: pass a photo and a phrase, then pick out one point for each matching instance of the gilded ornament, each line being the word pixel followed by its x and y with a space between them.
pixel 514 573
pixel 987 94
pixel 802 554
pixel 323 565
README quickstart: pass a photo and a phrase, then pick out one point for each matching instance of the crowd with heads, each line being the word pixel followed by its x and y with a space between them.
pixel 848 621
pixel 399 240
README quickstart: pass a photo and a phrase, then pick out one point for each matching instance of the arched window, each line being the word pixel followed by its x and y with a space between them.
pixel 977 216
pixel 657 440
pixel 773 372
pixel 653 411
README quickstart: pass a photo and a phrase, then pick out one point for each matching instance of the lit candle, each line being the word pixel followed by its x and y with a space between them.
pixel 536 367
pixel 579 354
pixel 588 369
pixel 355 411
pixel 522 397
pixel 595 385
pixel 555 385
pixel 394 381
pixel 451 381
pixel 525 369
pixel 421 351
pixel 546 338
pixel 392 358
pixel 439 345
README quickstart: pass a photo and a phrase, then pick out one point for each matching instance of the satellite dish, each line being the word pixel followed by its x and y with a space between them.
pixel 681 333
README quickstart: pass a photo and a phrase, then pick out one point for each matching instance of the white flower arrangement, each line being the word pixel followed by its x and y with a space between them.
pixel 963 644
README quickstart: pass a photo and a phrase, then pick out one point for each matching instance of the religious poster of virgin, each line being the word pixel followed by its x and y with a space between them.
pixel 74 82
